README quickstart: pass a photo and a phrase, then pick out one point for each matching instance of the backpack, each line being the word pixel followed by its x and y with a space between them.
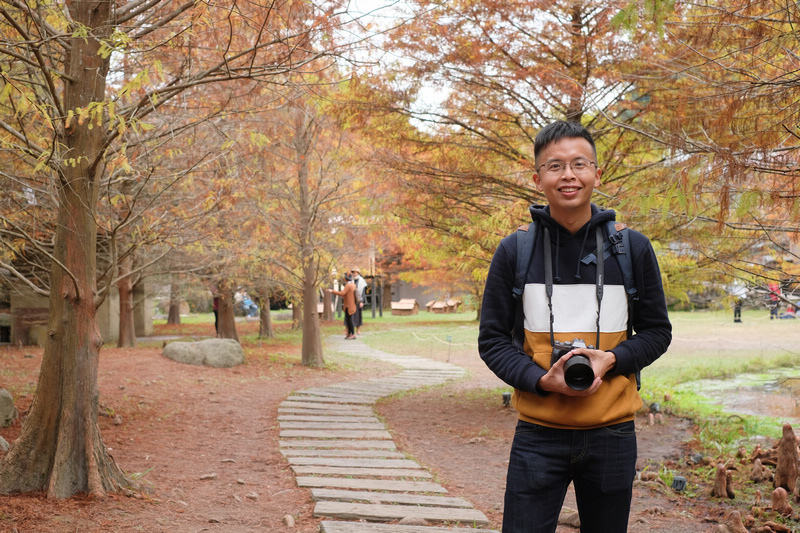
pixel 616 243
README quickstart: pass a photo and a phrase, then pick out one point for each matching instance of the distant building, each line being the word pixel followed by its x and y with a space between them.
pixel 24 314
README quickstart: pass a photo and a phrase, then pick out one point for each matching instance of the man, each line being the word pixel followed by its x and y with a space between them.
pixel 361 285
pixel 564 435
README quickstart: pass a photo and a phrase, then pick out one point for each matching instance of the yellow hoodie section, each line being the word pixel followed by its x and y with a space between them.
pixel 617 399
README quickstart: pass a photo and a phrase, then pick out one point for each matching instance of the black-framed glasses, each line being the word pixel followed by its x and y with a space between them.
pixel 580 167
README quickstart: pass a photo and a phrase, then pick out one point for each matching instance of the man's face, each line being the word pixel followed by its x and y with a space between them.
pixel 567 174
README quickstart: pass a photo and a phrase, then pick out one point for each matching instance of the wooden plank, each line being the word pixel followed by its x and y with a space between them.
pixel 370 484
pixel 388 497
pixel 331 391
pixel 327 411
pixel 338 443
pixel 320 399
pixel 325 417
pixel 346 397
pixel 319 470
pixel 350 426
pixel 384 454
pixel 332 425
pixel 335 434
pixel 387 513
pixel 354 463
pixel 322 406
pixel 329 526
pixel 376 387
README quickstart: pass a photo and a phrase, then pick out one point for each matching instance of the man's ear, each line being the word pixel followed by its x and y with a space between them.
pixel 537 181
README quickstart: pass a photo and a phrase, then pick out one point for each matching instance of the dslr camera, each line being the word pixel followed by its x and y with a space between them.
pixel 578 372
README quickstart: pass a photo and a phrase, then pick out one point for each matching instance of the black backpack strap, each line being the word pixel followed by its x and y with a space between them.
pixel 526 237
pixel 619 245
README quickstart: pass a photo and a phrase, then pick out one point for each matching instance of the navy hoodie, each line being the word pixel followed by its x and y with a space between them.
pixel 575 308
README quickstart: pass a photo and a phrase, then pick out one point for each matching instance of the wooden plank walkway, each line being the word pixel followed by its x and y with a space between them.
pixel 338 448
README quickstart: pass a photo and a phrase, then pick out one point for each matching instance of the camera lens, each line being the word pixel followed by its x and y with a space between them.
pixel 578 372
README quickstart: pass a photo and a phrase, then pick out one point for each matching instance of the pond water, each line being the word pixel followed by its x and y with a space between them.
pixel 775 394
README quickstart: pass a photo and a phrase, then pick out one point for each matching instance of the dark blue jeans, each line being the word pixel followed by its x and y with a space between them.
pixel 601 463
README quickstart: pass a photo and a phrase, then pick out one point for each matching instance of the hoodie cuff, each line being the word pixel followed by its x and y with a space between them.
pixel 537 376
pixel 622 366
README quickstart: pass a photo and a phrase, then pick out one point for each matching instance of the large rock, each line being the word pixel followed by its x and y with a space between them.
pixel 8 412
pixel 219 353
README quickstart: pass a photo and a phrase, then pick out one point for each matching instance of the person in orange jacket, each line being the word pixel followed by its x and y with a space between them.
pixel 348 294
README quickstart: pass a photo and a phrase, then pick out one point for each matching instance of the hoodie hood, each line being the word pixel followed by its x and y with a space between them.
pixel 541 215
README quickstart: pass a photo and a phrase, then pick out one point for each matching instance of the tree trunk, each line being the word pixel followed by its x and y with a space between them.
pixel 265 326
pixel 297 316
pixel 312 339
pixel 127 324
pixel 174 314
pixel 327 306
pixel 60 449
pixel 226 321
pixel 387 296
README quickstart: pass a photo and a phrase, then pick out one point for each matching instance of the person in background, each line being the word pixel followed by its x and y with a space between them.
pixel 775 302
pixel 348 294
pixel 739 293
pixel 249 306
pixel 215 306
pixel 361 286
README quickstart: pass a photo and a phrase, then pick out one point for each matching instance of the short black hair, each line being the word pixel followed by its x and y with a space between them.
pixel 558 130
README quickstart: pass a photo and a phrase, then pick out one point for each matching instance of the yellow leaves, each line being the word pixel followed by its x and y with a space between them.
pixel 120 162
pixel 98 113
pixel 117 200
pixel 259 140
pixel 117 41
pixel 143 79
pixel 80 31
pixel 75 161
pixel 174 153
pixel 5 93
pixel 209 200
pixel 747 202
pixel 143 126
pixel 41 162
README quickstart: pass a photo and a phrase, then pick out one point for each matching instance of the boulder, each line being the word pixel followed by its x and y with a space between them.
pixel 8 412
pixel 219 353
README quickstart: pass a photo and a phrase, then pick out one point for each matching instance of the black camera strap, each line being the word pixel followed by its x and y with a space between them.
pixel 599 279
pixel 548 280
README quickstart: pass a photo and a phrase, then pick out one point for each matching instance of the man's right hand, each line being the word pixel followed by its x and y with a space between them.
pixel 554 380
